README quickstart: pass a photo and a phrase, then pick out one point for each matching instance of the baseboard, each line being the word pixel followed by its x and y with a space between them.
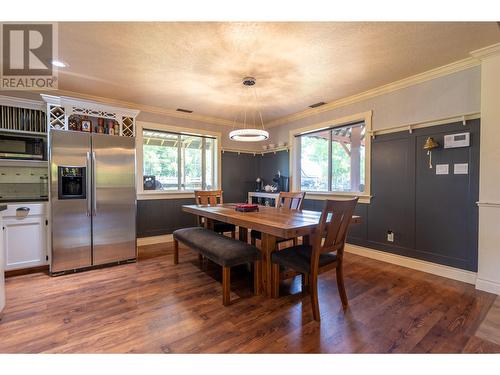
pixel 416 264
pixel 488 286
pixel 154 240
pixel 26 271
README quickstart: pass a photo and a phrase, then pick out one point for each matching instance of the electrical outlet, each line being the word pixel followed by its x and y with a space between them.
pixel 390 236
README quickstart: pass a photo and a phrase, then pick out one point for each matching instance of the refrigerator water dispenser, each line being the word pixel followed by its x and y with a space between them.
pixel 71 182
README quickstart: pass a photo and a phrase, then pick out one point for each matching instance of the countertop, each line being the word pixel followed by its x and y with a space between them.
pixel 22 200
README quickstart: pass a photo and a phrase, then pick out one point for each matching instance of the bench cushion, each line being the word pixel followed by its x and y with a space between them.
pixel 222 250
pixel 299 258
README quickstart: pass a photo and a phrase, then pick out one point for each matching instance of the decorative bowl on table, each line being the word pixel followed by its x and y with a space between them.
pixel 246 207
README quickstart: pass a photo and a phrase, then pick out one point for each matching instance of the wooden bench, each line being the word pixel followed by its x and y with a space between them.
pixel 224 251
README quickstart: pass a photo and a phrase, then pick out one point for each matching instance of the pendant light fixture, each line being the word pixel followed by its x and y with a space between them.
pixel 251 134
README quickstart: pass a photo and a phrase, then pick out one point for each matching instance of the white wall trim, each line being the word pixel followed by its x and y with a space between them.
pixel 12 101
pixel 174 194
pixel 489 204
pixel 488 286
pixel 152 109
pixel 454 67
pixel 144 194
pixel 486 52
pixel 155 240
pixel 254 152
pixel 416 264
pixel 294 157
pixel 428 123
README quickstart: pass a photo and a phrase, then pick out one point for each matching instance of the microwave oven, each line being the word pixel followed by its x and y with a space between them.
pixel 22 147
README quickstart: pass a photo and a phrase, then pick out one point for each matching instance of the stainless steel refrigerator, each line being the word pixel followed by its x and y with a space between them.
pixel 93 199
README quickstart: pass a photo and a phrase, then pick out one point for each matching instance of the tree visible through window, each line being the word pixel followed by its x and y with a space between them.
pixel 173 161
pixel 333 159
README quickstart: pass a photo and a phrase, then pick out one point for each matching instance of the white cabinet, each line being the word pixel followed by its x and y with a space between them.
pixel 25 235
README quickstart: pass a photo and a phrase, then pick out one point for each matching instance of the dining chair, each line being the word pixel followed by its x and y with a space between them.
pixel 212 198
pixel 289 200
pixel 325 252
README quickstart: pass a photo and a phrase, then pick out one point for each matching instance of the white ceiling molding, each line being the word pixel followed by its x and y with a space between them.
pixel 486 52
pixel 151 109
pixel 390 87
pixel 394 86
pixel 12 101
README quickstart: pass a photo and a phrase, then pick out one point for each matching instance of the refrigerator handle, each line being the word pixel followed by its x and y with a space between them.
pixel 94 192
pixel 89 186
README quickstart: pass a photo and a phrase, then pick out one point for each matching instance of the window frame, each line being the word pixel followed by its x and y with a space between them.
pixel 295 154
pixel 172 194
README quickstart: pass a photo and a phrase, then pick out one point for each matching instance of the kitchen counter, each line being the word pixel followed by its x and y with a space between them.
pixel 21 200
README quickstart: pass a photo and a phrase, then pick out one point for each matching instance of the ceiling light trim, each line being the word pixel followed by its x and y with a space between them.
pixel 249 135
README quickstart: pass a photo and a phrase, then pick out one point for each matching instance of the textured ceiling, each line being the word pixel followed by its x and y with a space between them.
pixel 199 66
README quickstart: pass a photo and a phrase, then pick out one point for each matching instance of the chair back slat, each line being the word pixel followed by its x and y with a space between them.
pixel 208 197
pixel 291 200
pixel 333 227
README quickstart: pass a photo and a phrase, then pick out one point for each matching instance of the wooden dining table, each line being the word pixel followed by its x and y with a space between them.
pixel 272 222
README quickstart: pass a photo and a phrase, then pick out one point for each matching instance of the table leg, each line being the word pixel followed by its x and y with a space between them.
pixel 243 234
pixel 209 223
pixel 306 240
pixel 268 246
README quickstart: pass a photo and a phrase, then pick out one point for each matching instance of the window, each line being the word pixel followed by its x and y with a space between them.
pixel 177 161
pixel 333 159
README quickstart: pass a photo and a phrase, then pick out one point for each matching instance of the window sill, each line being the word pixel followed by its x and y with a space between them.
pixel 174 194
pixel 320 195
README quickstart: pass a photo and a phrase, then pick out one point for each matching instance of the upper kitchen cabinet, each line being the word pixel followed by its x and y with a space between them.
pixel 65 113
pixel 19 115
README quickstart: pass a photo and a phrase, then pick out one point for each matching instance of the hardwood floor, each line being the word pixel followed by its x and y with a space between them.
pixel 155 307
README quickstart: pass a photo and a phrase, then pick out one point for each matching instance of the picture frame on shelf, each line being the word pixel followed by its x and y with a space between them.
pixel 86 125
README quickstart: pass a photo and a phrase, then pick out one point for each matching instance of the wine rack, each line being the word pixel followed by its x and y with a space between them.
pixel 63 110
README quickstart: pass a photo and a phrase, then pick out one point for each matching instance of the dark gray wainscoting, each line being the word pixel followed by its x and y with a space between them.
pixel 162 216
pixel 239 172
pixel 433 217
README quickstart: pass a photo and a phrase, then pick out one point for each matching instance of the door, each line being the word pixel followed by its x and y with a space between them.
pixel 24 242
pixel 114 206
pixel 71 220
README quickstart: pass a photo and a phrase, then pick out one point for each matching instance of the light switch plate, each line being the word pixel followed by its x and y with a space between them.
pixel 461 168
pixel 442 168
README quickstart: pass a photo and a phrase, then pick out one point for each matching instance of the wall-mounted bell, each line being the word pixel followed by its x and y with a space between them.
pixel 429 145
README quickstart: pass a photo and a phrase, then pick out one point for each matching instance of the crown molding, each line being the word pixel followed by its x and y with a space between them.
pixel 485 52
pixel 89 104
pixel 13 101
pixel 454 67
pixel 441 71
pixel 150 109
